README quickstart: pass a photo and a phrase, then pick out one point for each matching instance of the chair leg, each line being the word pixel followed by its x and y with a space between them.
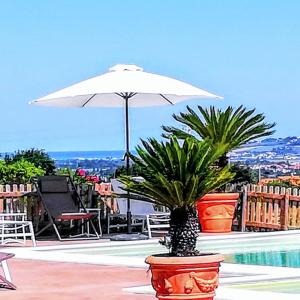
pixel 6 270
pixel 99 224
pixel 32 234
pixel 148 227
pixel 7 278
pixel 108 223
pixel 94 229
pixel 24 231
pixel 56 231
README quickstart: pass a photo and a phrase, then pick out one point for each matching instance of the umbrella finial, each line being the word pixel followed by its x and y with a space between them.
pixel 121 67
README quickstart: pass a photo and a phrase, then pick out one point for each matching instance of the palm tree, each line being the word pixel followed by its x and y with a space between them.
pixel 227 129
pixel 176 175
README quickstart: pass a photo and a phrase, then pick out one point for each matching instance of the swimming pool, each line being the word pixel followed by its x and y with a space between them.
pixel 277 251
pixel 284 258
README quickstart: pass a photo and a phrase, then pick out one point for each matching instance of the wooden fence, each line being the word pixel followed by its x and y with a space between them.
pixel 269 207
pixel 262 207
pixel 13 198
pixel 10 196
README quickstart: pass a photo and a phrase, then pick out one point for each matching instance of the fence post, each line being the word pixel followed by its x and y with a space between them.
pixel 284 213
pixel 244 209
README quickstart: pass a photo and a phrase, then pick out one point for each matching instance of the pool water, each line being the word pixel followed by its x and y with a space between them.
pixel 283 258
pixel 282 250
pixel 270 257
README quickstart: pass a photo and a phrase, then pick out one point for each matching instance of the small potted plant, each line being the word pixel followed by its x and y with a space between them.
pixel 176 175
pixel 228 129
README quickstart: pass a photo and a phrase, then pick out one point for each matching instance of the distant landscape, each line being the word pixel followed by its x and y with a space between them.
pixel 272 156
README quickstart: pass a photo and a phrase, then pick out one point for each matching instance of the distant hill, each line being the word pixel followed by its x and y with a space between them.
pixel 287 141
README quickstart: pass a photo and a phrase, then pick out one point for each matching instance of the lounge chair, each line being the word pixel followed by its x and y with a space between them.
pixel 14 228
pixel 5 279
pixel 143 212
pixel 63 204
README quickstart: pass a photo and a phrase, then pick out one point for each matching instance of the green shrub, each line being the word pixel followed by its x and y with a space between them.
pixel 21 171
pixel 38 157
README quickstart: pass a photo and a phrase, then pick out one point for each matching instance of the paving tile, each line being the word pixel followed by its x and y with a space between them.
pixel 38 280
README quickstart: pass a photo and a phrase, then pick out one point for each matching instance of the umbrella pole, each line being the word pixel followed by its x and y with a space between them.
pixel 129 216
pixel 129 236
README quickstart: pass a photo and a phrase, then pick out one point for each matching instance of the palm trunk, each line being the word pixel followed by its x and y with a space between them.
pixel 222 162
pixel 184 228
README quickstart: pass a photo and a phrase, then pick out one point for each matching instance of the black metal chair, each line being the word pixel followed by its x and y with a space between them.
pixel 63 204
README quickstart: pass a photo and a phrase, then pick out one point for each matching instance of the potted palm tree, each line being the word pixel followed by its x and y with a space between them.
pixel 229 130
pixel 176 175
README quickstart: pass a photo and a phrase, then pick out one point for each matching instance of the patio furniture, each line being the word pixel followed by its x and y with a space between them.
pixel 97 212
pixel 63 204
pixel 124 86
pixel 157 220
pixel 14 228
pixel 5 279
pixel 143 212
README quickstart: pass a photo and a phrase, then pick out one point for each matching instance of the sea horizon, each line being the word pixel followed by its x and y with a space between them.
pixel 86 154
pixel 81 154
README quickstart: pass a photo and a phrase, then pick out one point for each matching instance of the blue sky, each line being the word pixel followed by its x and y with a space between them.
pixel 246 51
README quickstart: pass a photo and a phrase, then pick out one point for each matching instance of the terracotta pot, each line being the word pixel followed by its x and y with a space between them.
pixel 215 211
pixel 178 278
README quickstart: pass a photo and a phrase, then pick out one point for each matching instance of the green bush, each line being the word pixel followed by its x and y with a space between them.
pixel 38 157
pixel 243 175
pixel 21 171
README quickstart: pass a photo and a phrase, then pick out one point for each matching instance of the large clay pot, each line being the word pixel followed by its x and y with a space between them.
pixel 215 211
pixel 184 278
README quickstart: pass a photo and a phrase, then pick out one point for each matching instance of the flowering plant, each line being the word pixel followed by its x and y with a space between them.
pixel 83 177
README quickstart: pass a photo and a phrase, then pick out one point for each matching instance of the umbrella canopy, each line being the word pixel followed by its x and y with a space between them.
pixel 109 90
pixel 124 86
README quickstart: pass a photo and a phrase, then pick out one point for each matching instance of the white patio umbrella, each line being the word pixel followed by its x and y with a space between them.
pixel 124 86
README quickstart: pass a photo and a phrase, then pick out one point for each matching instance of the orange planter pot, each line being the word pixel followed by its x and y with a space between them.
pixel 215 211
pixel 185 278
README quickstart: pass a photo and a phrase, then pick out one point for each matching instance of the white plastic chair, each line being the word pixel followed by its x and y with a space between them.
pixel 14 228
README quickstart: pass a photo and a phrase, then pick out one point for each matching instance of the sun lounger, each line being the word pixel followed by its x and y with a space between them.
pixel 143 212
pixel 63 204
pixel 5 279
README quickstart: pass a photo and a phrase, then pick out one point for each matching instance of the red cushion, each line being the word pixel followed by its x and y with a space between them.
pixel 82 216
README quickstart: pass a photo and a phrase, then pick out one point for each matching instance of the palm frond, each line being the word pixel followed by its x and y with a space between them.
pixel 176 174
pixel 227 129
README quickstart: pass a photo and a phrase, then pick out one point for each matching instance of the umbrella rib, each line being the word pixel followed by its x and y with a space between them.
pixel 166 99
pixel 126 95
pixel 86 102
